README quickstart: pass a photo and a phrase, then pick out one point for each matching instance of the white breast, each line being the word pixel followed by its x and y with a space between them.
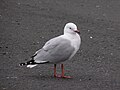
pixel 75 42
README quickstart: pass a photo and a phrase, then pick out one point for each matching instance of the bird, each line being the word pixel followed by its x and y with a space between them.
pixel 57 50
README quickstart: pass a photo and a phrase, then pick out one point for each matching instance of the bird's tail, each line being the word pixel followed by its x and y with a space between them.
pixel 29 64
pixel 33 63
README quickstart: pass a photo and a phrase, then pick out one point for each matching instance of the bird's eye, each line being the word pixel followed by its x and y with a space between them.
pixel 70 28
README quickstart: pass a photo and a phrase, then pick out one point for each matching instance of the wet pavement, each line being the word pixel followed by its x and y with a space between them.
pixel 25 25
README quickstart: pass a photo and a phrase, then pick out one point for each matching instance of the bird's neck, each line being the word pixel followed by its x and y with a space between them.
pixel 70 36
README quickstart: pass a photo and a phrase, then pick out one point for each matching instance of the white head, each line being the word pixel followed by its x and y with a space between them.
pixel 71 28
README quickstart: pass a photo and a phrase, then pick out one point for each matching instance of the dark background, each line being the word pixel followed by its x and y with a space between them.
pixel 25 25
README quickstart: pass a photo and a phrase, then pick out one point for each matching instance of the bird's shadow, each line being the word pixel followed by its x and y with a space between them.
pixel 52 78
pixel 46 77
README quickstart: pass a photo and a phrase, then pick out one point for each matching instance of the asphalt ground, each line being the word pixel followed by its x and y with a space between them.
pixel 25 25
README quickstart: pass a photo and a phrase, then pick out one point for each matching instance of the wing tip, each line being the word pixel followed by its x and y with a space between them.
pixel 31 66
pixel 22 64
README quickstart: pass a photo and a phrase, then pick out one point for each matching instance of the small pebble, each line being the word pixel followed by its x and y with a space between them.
pixel 3 88
pixel 37 42
pixel 97 6
pixel 42 37
pixel 80 80
pixel 88 30
pixel 13 77
pixel 91 37
pixel 98 61
pixel 111 53
pixel 7 77
pixel 104 14
pixel 18 3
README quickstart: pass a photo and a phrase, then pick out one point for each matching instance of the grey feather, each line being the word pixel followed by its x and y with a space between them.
pixel 55 50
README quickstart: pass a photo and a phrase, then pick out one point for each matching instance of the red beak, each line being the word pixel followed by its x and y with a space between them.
pixel 77 31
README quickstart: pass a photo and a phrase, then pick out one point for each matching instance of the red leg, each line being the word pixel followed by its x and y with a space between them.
pixel 55 70
pixel 63 76
pixel 62 68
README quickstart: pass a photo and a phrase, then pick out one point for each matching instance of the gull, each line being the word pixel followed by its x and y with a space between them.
pixel 57 50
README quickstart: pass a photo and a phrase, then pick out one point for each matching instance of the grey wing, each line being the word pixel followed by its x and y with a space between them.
pixel 54 51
